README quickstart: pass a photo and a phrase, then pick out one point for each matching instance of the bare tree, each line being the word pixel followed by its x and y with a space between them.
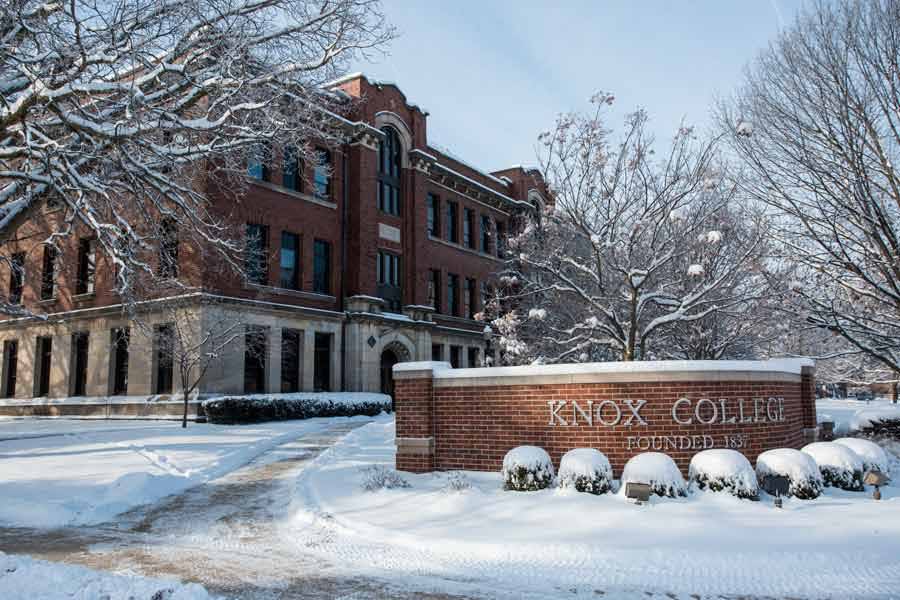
pixel 190 335
pixel 634 246
pixel 126 111
pixel 817 123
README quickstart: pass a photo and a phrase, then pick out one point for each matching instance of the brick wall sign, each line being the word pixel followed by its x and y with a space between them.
pixel 469 418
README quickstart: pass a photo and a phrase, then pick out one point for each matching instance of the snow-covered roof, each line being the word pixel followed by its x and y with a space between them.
pixel 449 154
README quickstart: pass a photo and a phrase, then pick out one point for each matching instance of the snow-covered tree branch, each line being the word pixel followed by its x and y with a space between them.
pixel 124 112
pixel 817 123
pixel 636 247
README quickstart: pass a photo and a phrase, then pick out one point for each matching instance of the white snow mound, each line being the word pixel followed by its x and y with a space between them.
pixel 585 469
pixel 657 469
pixel 798 467
pixel 840 466
pixel 527 468
pixel 723 470
pixel 25 577
pixel 872 455
pixel 832 454
pixel 866 416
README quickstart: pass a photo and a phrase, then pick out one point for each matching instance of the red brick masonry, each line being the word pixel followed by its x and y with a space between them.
pixel 469 418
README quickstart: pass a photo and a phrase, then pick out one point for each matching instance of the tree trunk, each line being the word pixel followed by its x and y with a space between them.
pixel 184 417
pixel 896 392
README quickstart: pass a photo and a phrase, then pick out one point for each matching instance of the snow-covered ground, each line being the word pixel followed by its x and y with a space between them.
pixel 848 414
pixel 842 545
pixel 60 472
pixel 23 578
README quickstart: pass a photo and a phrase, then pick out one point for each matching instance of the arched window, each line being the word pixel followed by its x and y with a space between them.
pixel 389 162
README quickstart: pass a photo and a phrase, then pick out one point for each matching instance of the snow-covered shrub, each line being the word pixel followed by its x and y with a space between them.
pixel 527 468
pixel 840 466
pixel 456 481
pixel 378 477
pixel 874 458
pixel 586 470
pixel 800 469
pixel 724 470
pixel 656 469
pixel 881 427
pixel 229 410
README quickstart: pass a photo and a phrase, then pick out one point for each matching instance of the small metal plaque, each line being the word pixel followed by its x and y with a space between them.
pixel 876 478
pixel 637 491
pixel 776 485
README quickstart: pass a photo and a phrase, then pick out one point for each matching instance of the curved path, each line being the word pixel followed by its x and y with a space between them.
pixel 224 534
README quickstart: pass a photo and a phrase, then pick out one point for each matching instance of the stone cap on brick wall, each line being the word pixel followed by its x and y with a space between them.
pixel 781 369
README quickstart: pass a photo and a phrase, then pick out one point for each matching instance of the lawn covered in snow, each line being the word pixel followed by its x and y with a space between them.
pixel 56 472
pixel 848 415
pixel 841 545
pixel 22 578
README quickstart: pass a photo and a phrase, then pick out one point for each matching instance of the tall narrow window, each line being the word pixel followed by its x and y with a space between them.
pixel 452 222
pixel 322 362
pixel 322 174
pixel 485 234
pixel 453 294
pixel 164 348
pixel 87 266
pixel 290 361
pixel 290 261
pixel 468 222
pixel 290 170
pixel 501 239
pixel 433 218
pixel 388 279
pixel 44 347
pixel 168 248
pixel 389 163
pixel 255 350
pixel 10 367
pixel 470 299
pixel 80 341
pixel 257 258
pixel 455 354
pixel 437 352
pixel 258 164
pixel 321 267
pixel 16 277
pixel 120 340
pixel 474 357
pixel 434 289
pixel 48 273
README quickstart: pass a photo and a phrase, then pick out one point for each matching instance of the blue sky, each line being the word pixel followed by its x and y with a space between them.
pixel 494 73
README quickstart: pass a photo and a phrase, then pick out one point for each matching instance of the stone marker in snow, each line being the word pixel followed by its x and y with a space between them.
pixel 873 457
pixel 726 470
pixel 656 469
pixel 586 470
pixel 840 466
pixel 798 467
pixel 527 468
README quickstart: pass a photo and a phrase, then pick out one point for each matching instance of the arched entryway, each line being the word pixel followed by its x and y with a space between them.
pixel 392 354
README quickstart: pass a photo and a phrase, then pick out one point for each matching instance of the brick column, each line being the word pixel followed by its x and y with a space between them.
pixel 808 403
pixel 413 406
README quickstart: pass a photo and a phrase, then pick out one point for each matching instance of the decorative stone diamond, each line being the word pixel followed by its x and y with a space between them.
pixel 372 341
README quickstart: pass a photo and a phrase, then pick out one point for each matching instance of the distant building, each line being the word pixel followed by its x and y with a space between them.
pixel 384 259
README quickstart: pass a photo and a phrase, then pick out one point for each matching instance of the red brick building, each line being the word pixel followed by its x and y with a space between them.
pixel 383 257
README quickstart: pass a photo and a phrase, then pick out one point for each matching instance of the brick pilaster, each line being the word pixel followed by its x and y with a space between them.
pixel 808 402
pixel 414 409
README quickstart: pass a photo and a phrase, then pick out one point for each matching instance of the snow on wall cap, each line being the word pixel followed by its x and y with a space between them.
pixel 781 365
pixel 421 365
